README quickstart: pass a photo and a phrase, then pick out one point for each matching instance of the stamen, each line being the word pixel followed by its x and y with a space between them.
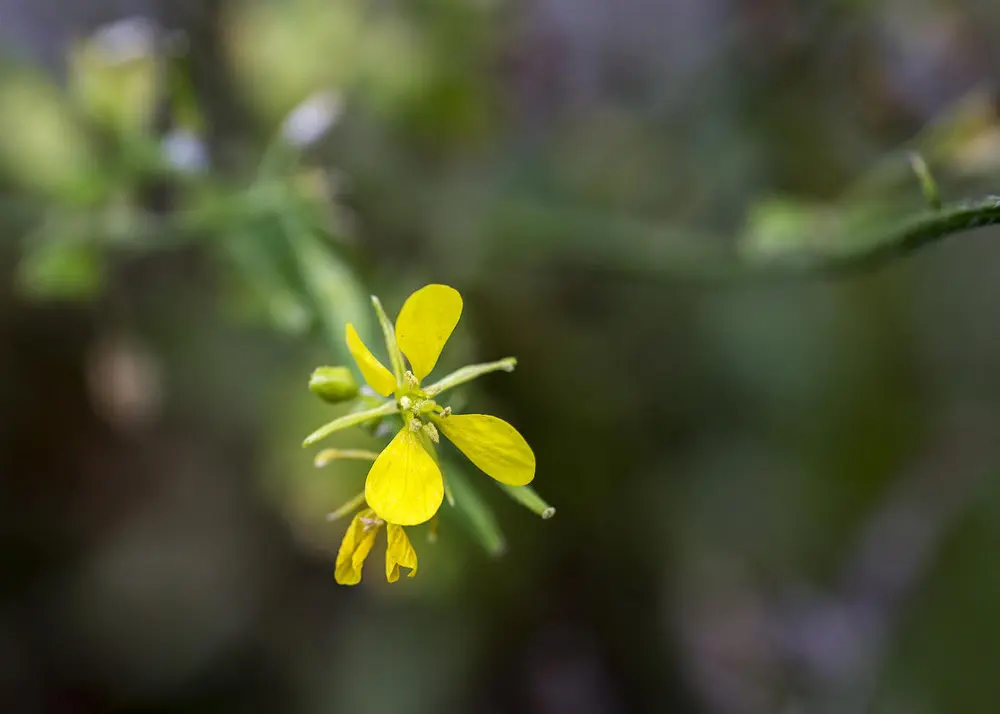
pixel 371 523
pixel 432 432
pixel 405 403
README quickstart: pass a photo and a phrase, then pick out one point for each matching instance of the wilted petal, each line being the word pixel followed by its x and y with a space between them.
pixel 311 119
pixel 398 553
pixel 357 543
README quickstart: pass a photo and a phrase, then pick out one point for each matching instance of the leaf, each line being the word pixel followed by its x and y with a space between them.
pixel 335 296
pixel 256 256
pixel 474 510
pixel 60 269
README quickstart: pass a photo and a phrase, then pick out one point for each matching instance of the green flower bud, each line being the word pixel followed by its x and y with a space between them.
pixel 333 384
pixel 116 75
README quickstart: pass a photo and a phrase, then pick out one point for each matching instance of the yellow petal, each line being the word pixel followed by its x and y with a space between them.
pixel 358 541
pixel 398 552
pixel 404 484
pixel 493 445
pixel 425 323
pixel 378 377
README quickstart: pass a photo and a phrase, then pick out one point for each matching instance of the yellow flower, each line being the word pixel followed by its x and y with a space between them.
pixel 405 485
pixel 358 542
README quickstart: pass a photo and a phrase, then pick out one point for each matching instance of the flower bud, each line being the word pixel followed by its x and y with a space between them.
pixel 333 384
pixel 116 74
pixel 310 120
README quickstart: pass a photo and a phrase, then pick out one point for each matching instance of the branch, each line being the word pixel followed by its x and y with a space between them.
pixel 859 238
pixel 908 236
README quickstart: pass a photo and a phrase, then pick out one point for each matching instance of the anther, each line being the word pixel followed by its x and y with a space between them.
pixel 405 403
pixel 432 432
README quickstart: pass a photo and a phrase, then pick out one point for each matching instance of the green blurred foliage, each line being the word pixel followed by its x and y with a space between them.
pixel 720 455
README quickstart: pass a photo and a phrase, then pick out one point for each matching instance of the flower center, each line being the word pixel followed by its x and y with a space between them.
pixel 415 408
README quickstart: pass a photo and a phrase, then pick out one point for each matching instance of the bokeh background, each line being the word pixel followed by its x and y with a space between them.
pixel 773 495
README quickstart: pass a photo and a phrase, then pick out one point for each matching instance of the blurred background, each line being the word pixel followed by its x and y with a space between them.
pixel 773 495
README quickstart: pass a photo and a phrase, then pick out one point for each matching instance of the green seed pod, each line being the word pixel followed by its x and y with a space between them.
pixel 333 384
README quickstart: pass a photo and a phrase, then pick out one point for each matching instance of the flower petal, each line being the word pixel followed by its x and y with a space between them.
pixel 425 323
pixel 358 541
pixel 491 444
pixel 378 377
pixel 398 551
pixel 404 484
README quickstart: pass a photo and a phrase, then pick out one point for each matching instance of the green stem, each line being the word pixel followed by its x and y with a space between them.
pixel 916 232
pixel 640 250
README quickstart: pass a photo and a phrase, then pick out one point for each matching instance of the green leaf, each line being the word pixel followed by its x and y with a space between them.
pixel 60 269
pixel 778 226
pixel 475 511
pixel 335 295
pixel 256 255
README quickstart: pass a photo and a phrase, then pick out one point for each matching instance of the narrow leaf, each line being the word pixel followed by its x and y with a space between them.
pixel 476 512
